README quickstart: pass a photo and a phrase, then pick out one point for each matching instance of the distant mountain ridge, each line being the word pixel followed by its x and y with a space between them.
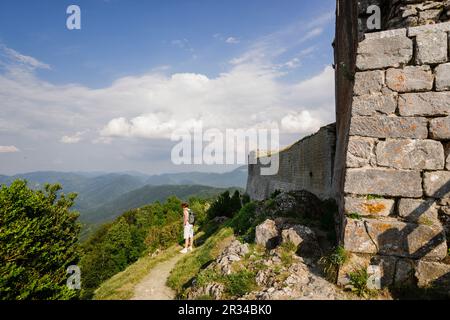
pixel 102 196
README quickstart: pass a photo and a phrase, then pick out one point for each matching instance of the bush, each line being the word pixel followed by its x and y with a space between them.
pixel 245 221
pixel 38 242
pixel 333 261
pixel 240 283
pixel 225 205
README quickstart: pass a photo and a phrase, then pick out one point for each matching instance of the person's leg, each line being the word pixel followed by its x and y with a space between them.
pixel 186 240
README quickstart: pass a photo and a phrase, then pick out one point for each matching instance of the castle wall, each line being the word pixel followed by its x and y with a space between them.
pixel 306 165
pixel 396 176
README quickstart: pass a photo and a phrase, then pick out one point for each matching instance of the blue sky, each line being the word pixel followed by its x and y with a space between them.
pixel 85 91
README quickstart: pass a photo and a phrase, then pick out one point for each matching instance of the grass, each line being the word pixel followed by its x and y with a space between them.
pixel 354 215
pixel 121 286
pixel 240 283
pixel 287 251
pixel 333 261
pixel 188 267
pixel 358 281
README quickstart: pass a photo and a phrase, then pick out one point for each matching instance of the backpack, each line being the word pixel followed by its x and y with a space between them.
pixel 191 218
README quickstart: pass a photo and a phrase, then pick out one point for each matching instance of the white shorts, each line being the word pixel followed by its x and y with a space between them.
pixel 188 231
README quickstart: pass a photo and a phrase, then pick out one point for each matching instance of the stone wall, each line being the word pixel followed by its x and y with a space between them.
pixel 306 165
pixel 396 183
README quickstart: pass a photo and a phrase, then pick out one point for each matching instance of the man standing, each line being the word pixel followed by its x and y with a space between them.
pixel 188 229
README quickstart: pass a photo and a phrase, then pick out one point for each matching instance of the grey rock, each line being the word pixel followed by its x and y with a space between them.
pixel 424 104
pixel 389 127
pixel 384 182
pixel 368 105
pixel 437 184
pixel 360 152
pixel 304 239
pixel 440 128
pixel 432 47
pixel 384 52
pixel 410 154
pixel 410 79
pixel 368 82
pixel 428 29
pixel 443 77
pixel 392 237
pixel 372 207
pixel 418 211
pixel 432 274
pixel 267 234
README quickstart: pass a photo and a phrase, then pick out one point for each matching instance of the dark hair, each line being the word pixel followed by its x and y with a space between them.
pixel 184 205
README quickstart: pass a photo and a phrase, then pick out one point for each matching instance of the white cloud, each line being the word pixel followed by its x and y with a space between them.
pixel 232 40
pixel 8 149
pixel 17 58
pixel 76 138
pixel 301 122
pixel 249 94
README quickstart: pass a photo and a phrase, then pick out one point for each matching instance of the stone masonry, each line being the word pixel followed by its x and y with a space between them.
pixel 306 165
pixel 397 176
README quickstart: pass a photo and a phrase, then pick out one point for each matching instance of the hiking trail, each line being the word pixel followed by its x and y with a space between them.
pixel 153 286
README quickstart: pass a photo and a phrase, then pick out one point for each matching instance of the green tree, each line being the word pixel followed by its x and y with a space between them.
pixel 38 242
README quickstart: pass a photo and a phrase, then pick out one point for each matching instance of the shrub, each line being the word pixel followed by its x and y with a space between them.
pixel 38 241
pixel 240 283
pixel 333 261
pixel 358 281
pixel 225 205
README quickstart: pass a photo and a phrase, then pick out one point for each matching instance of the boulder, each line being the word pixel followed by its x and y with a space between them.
pixel 267 234
pixel 304 239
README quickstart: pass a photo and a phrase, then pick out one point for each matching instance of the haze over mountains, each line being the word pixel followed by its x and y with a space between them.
pixel 102 197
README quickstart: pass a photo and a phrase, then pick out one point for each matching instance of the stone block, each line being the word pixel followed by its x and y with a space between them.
pixel 432 47
pixel 377 53
pixel 440 128
pixel 437 184
pixel 372 207
pixel 424 104
pixel 389 127
pixel 368 82
pixel 410 154
pixel 395 238
pixel 373 104
pixel 435 274
pixel 418 211
pixel 360 152
pixel 410 79
pixel 443 77
pixel 384 182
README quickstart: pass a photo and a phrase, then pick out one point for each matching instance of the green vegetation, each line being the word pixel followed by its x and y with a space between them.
pixel 121 286
pixel 358 281
pixel 145 195
pixel 354 215
pixel 137 232
pixel 187 268
pixel 373 197
pixel 225 205
pixel 331 263
pixel 38 241
pixel 288 249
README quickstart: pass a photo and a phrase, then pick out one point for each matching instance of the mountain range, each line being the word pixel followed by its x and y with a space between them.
pixel 104 196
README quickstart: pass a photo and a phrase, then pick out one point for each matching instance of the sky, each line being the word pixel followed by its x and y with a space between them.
pixel 109 96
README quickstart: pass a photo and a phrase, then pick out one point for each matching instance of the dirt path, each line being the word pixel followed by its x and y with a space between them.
pixel 153 286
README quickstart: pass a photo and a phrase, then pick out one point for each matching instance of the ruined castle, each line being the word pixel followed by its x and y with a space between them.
pixel 386 161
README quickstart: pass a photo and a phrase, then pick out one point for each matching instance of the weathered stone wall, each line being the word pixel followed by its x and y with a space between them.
pixel 397 168
pixel 306 165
